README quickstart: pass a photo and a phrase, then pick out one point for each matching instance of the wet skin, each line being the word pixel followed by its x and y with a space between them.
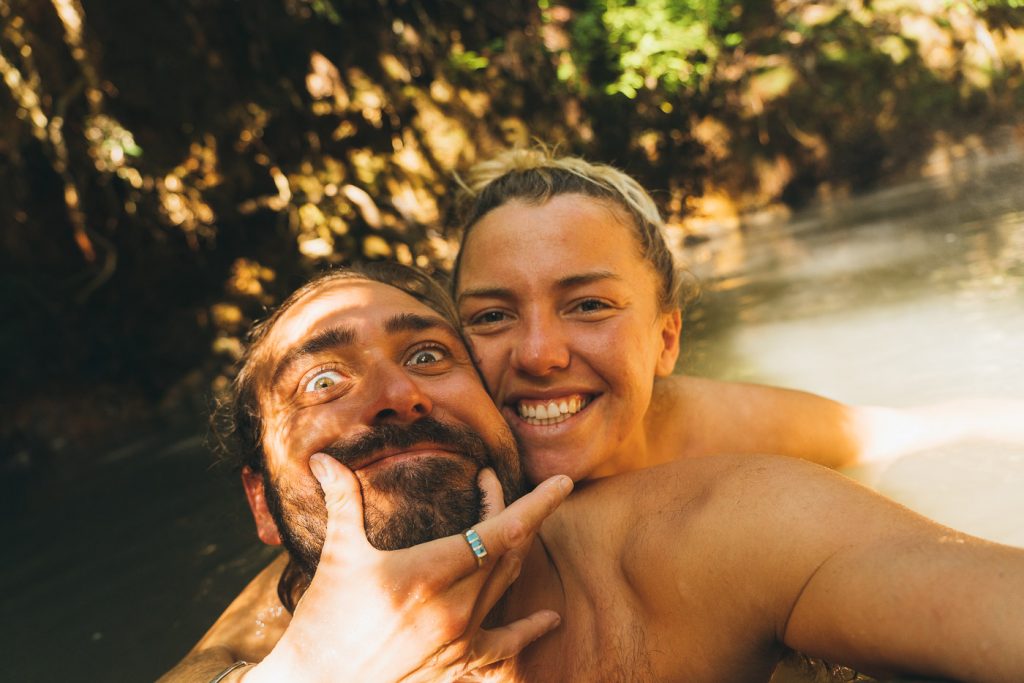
pixel 560 308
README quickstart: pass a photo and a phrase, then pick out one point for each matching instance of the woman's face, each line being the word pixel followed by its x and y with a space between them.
pixel 562 314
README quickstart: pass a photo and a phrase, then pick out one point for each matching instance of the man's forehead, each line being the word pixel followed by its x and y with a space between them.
pixel 355 303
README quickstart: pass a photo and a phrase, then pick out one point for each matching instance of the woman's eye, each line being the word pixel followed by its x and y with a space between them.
pixel 591 305
pixel 323 381
pixel 488 318
pixel 426 356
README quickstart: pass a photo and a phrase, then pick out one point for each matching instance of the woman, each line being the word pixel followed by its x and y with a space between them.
pixel 570 300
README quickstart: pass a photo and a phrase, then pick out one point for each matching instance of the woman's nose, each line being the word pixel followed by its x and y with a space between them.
pixel 541 349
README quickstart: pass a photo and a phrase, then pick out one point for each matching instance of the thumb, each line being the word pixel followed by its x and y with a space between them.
pixel 343 498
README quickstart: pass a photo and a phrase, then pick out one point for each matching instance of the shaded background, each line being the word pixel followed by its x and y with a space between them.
pixel 170 169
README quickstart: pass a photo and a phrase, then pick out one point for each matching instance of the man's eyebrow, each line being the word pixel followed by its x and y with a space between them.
pixel 414 322
pixel 331 338
pixel 566 282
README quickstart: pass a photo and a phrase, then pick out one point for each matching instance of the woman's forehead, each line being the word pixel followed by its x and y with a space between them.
pixel 565 231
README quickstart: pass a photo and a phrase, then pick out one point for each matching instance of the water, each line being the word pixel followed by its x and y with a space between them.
pixel 909 295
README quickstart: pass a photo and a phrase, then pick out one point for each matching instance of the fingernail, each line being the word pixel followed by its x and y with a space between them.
pixel 320 470
pixel 564 484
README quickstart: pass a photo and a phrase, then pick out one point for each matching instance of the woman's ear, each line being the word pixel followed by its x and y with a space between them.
pixel 671 330
pixel 266 527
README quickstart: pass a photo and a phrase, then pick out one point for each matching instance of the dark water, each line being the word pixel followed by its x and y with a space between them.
pixel 113 576
pixel 910 294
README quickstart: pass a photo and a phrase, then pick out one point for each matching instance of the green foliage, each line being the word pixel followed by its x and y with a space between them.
pixel 655 44
pixel 982 5
pixel 468 61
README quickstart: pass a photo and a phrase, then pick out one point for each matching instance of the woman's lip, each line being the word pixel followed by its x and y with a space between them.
pixel 514 398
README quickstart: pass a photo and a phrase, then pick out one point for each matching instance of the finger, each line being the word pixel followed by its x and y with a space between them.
pixel 508 529
pixel 506 571
pixel 494 497
pixel 517 523
pixel 344 500
pixel 508 641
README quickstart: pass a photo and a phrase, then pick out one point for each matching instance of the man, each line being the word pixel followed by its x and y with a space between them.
pixel 706 569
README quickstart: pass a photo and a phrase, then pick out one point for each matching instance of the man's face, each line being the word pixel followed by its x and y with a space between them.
pixel 367 374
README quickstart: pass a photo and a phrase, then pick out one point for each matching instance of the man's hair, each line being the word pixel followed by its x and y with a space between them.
pixel 537 175
pixel 236 423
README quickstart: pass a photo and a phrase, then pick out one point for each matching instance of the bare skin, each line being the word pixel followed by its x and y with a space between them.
pixel 702 569
pixel 549 321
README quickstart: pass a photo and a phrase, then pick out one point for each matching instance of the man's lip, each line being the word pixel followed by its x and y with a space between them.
pixel 418 449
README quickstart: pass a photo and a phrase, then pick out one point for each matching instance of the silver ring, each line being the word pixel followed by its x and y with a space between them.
pixel 476 545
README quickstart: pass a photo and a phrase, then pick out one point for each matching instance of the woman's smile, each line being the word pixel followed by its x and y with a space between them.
pixel 543 412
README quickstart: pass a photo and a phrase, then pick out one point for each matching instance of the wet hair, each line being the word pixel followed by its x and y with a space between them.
pixel 537 175
pixel 235 422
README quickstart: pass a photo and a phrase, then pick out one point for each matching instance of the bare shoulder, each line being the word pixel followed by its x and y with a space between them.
pixel 760 481
pixel 681 494
pixel 254 621
pixel 779 514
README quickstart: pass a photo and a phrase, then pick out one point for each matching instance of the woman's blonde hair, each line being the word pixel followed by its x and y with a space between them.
pixel 536 175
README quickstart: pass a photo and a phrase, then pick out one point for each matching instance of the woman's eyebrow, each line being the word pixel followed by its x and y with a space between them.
pixel 566 282
pixel 486 293
pixel 578 279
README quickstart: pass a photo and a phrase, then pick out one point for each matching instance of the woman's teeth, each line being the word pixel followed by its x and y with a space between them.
pixel 551 412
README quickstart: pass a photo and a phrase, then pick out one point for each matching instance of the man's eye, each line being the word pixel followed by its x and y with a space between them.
pixel 426 356
pixel 323 381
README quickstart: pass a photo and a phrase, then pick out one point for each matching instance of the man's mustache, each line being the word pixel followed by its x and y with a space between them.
pixel 462 440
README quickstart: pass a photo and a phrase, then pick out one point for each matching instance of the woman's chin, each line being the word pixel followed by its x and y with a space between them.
pixel 540 464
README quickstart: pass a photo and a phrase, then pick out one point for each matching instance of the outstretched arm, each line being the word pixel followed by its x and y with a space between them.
pixel 412 614
pixel 865 582
pixel 711 417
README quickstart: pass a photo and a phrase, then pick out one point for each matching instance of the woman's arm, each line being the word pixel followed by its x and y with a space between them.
pixel 711 417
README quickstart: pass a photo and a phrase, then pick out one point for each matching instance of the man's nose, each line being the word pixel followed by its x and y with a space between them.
pixel 395 396
pixel 542 347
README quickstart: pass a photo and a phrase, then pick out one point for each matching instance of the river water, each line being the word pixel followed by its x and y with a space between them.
pixel 909 295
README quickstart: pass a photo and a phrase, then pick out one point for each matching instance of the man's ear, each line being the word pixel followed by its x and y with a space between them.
pixel 266 527
pixel 671 330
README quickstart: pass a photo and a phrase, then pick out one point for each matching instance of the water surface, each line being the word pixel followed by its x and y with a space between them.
pixel 907 296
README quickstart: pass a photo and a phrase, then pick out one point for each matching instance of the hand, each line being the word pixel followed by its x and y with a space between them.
pixel 412 614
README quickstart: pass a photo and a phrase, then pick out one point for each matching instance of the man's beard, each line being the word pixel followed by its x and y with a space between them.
pixel 429 497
